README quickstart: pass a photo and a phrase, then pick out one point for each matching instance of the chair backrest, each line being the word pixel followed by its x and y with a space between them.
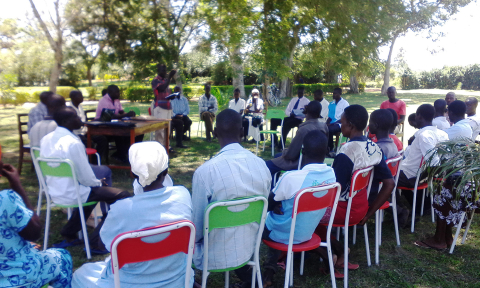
pixel 394 164
pixel 22 128
pixel 275 113
pixel 312 198
pixel 135 246
pixel 361 179
pixel 88 112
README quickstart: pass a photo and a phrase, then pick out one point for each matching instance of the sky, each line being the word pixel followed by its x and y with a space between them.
pixel 459 46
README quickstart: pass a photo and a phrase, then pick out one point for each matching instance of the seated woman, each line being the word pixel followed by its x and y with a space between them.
pixel 358 153
pixel 253 113
pixel 22 265
pixel 151 206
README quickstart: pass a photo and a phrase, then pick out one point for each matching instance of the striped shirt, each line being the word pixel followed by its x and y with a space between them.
pixel 234 172
pixel 39 130
pixel 204 104
pixel 36 114
pixel 180 106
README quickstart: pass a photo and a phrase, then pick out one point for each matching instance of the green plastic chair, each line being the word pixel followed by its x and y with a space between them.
pixel 272 114
pixel 62 168
pixel 342 140
pixel 218 216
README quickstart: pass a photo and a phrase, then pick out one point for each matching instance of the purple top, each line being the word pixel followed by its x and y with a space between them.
pixel 106 102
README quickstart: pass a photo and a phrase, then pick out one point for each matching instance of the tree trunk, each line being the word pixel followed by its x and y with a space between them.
pixel 286 83
pixel 386 77
pixel 237 65
pixel 56 70
pixel 89 75
pixel 353 84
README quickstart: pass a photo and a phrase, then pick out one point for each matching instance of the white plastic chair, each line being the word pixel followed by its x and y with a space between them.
pixel 459 227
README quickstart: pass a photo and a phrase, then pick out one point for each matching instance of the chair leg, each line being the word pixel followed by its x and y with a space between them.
pixel 459 227
pixel 431 208
pixel 302 262
pixel 466 228
pixel 423 202
pixel 354 240
pixel 380 228
pixel 227 279
pixel 85 235
pixel 259 275
pixel 98 159
pixel 47 227
pixel 330 260
pixel 254 272
pixel 291 270
pixel 20 162
pixel 367 246
pixel 39 204
pixel 273 148
pixel 204 279
pixel 413 210
pixel 256 151
pixel 345 255
pixel 377 237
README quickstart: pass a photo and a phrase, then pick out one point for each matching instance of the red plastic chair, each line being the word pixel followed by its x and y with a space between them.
pixel 91 151
pixel 305 201
pixel 129 248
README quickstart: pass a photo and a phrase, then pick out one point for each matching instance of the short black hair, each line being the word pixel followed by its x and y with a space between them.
pixel 473 99
pixel 318 92
pixel 383 118
pixel 207 84
pixel 357 115
pixel 394 119
pixel 104 91
pixel 75 93
pixel 314 108
pixel 338 89
pixel 426 111
pixel 236 90
pixel 315 145
pixel 54 103
pixel 301 88
pixel 112 89
pixel 440 106
pixel 63 115
pixel 392 88
pixel 45 95
pixel 228 122
pixel 458 108
pixel 411 117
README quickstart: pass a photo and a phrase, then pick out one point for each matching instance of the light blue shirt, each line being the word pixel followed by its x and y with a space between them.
pixel 331 111
pixel 180 106
pixel 286 190
pixel 148 209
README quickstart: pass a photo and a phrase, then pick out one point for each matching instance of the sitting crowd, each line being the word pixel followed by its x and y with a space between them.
pixel 234 173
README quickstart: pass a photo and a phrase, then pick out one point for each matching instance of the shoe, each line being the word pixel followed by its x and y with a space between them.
pixel 97 251
pixel 65 244
pixel 182 146
pixel 186 138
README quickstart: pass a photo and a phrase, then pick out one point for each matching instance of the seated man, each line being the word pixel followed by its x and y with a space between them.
pixel 472 104
pixel 395 104
pixel 94 181
pixel 40 111
pixel 23 264
pixel 163 205
pixel 101 141
pixel 335 111
pixel 288 159
pixel 180 121
pixel 411 122
pixel 47 125
pixel 234 172
pixel 294 113
pixel 425 139
pixel 238 104
pixel 449 98
pixel 318 96
pixel 254 109
pixel 439 120
pixel 391 130
pixel 461 127
pixel 207 107
pixel 111 101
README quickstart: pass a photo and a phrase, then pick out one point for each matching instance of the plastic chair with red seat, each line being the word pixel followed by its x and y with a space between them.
pixel 91 151
pixel 307 200
pixel 129 247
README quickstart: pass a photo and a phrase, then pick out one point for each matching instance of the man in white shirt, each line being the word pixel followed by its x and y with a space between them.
pixel 40 111
pixel 234 172
pixel 425 139
pixel 461 127
pixel 238 104
pixel 472 104
pixel 55 102
pixel 318 96
pixel 62 143
pixel 101 141
pixel 294 113
pixel 335 111
pixel 440 121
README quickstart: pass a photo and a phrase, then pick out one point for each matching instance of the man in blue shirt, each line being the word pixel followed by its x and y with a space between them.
pixel 335 111
pixel 180 121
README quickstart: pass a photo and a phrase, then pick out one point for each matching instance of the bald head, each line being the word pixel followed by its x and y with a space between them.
pixel 228 127
pixel 55 103
pixel 450 97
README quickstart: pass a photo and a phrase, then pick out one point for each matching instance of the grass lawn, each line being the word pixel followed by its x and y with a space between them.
pixel 404 266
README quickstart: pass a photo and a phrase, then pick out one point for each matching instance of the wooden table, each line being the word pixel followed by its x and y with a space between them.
pixel 141 127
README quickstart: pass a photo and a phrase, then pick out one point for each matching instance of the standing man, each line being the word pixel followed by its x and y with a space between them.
pixel 207 107
pixel 180 121
pixel 234 172
pixel 440 121
pixel 294 113
pixel 461 127
pixel 318 96
pixel 335 111
pixel 238 104
pixel 472 104
pixel 161 107
pixel 40 111
pixel 396 104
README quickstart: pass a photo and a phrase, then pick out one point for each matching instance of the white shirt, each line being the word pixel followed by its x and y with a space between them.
pixel 259 106
pixel 425 139
pixel 461 129
pixel 39 130
pixel 475 124
pixel 234 172
pixel 441 122
pixel 302 102
pixel 237 106
pixel 324 113
pixel 81 114
pixel 341 105
pixel 63 144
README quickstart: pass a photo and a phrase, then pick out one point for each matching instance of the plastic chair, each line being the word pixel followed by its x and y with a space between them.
pixel 129 247
pixel 401 131
pixel 272 114
pixel 459 227
pixel 218 216
pixel 22 148
pixel 62 168
pixel 91 151
pixel 340 141
pixel 307 200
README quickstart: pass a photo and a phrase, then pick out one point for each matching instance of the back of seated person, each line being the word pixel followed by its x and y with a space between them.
pixel 461 127
pixel 391 131
pixel 40 129
pixel 40 111
pixel 439 120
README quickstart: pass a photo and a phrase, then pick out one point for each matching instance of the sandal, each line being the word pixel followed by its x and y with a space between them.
pixel 350 266
pixel 423 244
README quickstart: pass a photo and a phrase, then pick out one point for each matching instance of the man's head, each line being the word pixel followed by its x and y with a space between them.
pixel 394 120
pixel 114 92
pixel 67 118
pixel 255 93
pixel 161 70
pixel 354 119
pixel 104 91
pixel 76 97
pixel 424 115
pixel 411 120
pixel 472 104
pixel 456 111
pixel 177 90
pixel 55 103
pixel 337 94
pixel 236 93
pixel 440 106
pixel 391 93
pixel 44 96
pixel 312 110
pixel 228 127
pixel 318 95
pixel 450 97
pixel 207 88
pixel 300 91
pixel 314 147
pixel 380 122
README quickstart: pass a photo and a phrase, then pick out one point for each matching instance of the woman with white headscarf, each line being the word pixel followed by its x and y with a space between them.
pixel 253 113
pixel 153 204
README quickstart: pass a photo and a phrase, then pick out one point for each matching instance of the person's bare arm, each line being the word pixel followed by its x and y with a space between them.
pixel 164 86
pixel 383 194
pixel 401 120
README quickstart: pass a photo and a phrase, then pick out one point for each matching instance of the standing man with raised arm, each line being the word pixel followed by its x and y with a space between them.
pixel 207 107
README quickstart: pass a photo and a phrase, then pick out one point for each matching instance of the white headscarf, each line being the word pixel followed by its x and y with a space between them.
pixel 148 160
pixel 255 90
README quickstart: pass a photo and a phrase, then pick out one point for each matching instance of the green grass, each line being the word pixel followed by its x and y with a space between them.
pixel 405 266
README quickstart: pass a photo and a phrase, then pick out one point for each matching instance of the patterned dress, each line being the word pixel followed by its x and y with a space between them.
pixel 21 265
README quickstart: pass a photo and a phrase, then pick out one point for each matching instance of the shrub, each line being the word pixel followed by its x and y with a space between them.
pixel 310 88
pixel 22 97
pixel 137 93
pixel 92 92
pixel 187 92
pixel 64 91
